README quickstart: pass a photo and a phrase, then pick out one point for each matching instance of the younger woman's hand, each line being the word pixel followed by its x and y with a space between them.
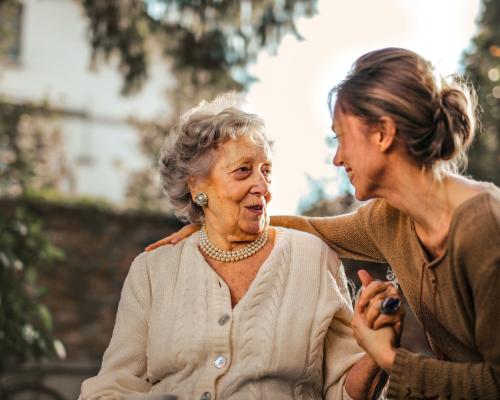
pixel 175 237
pixel 380 344
pixel 377 333
pixel 370 300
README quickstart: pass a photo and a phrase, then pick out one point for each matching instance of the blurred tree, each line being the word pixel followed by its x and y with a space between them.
pixel 325 206
pixel 28 151
pixel 207 44
pixel 482 65
pixel 318 203
pixel 209 40
pixel 25 323
pixel 31 149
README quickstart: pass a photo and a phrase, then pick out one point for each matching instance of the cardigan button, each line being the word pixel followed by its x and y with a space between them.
pixel 220 362
pixel 206 396
pixel 223 319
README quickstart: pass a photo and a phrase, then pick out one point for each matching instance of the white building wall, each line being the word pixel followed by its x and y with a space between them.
pixel 55 65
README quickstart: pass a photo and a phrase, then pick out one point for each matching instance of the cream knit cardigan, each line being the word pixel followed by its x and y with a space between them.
pixel 289 337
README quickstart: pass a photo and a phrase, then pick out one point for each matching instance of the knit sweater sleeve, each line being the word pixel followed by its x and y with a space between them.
pixel 124 363
pixel 350 235
pixel 341 350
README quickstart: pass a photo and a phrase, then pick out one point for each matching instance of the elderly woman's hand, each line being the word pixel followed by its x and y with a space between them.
pixel 175 237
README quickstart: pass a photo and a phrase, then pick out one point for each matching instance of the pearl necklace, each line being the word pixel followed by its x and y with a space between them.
pixel 231 256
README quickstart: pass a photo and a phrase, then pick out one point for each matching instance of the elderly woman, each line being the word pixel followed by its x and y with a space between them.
pixel 239 310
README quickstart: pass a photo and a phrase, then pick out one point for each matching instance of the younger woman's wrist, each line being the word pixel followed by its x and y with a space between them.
pixel 386 359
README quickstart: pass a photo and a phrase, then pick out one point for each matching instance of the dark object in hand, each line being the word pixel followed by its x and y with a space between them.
pixel 390 305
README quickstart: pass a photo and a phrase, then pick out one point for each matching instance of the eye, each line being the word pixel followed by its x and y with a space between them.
pixel 243 169
pixel 242 172
pixel 267 171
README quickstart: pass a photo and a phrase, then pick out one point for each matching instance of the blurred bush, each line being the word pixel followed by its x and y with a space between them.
pixel 28 147
pixel 25 323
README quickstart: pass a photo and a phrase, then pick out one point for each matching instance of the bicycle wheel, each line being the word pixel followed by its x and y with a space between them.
pixel 31 391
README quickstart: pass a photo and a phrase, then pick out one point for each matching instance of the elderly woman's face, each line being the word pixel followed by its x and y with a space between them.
pixel 238 188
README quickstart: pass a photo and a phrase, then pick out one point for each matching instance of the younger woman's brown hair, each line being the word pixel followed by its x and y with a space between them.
pixel 434 117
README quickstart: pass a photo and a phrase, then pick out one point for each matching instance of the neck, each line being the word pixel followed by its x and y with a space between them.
pixel 429 202
pixel 232 255
pixel 230 240
pixel 423 198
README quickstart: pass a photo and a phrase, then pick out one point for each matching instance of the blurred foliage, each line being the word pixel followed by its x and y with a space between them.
pixel 318 203
pixel 25 323
pixel 144 189
pixel 205 39
pixel 54 196
pixel 482 66
pixel 207 45
pixel 326 206
pixel 31 149
pixel 28 149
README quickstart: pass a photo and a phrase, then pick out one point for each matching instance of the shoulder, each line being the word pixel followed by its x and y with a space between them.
pixel 378 213
pixel 383 222
pixel 308 246
pixel 477 221
pixel 164 258
pixel 164 253
pixel 303 240
pixel 475 235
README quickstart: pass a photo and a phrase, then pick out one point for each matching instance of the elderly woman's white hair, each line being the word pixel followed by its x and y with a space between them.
pixel 189 149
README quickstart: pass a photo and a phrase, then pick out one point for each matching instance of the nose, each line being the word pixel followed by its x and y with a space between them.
pixel 337 158
pixel 261 185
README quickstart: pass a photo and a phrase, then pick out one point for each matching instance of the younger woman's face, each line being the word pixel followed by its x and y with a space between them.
pixel 358 153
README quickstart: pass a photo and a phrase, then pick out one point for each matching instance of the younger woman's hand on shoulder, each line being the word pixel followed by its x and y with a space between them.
pixel 175 237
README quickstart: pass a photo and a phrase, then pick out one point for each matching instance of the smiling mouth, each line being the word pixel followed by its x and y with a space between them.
pixel 257 208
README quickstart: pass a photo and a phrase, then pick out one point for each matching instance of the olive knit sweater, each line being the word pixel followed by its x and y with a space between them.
pixel 456 297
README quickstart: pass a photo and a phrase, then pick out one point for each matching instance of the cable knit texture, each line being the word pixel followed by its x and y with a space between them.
pixel 289 337
pixel 460 291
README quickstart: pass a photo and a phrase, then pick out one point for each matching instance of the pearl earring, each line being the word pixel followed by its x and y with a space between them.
pixel 200 199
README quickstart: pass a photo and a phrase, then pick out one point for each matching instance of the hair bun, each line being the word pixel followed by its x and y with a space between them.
pixel 453 124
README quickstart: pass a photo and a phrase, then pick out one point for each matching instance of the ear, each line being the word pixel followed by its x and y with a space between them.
pixel 192 185
pixel 386 133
